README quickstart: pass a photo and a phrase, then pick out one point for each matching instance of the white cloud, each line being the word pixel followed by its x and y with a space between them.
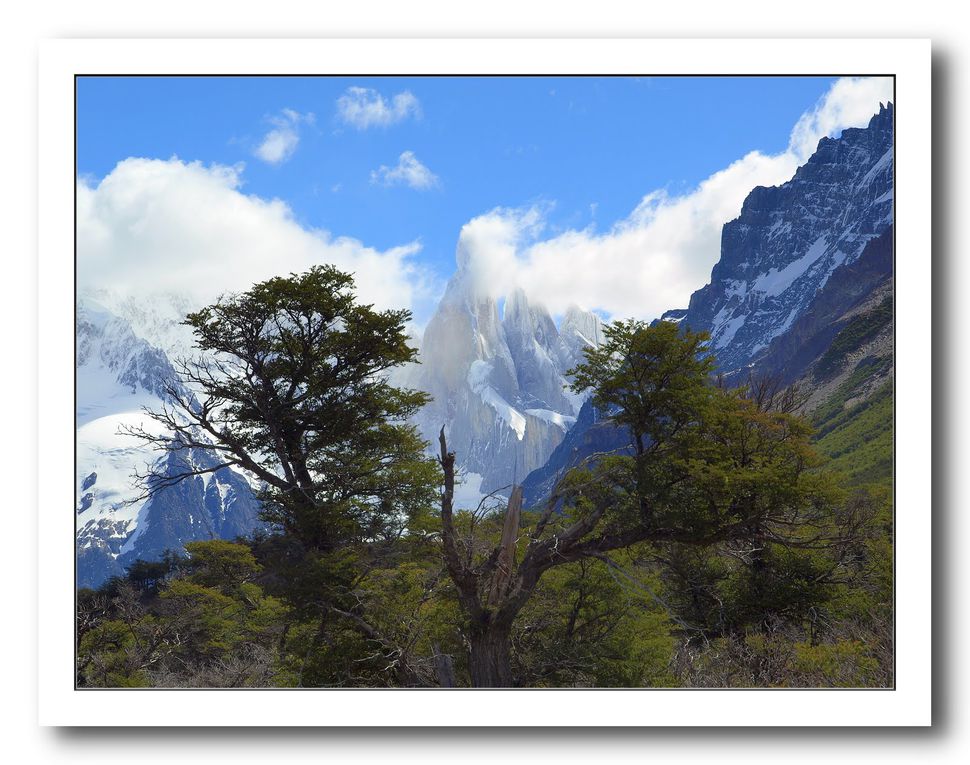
pixel 279 143
pixel 408 171
pixel 364 107
pixel 154 225
pixel 664 250
pixel 850 102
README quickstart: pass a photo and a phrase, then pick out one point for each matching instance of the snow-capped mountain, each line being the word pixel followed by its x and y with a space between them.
pixel 782 248
pixel 119 373
pixel 496 370
pixel 499 382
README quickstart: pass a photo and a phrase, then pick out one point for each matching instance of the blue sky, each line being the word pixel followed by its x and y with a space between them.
pixel 421 157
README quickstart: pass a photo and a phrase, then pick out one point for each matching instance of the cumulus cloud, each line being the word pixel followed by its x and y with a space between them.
pixel 365 107
pixel 167 225
pixel 281 141
pixel 664 250
pixel 408 171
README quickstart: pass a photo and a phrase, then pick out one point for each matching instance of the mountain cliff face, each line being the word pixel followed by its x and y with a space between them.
pixel 795 286
pixel 789 239
pixel 811 336
pixel 499 383
pixel 118 373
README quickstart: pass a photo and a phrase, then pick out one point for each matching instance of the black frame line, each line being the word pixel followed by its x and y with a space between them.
pixel 720 75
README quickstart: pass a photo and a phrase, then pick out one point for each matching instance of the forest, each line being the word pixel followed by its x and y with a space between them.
pixel 738 541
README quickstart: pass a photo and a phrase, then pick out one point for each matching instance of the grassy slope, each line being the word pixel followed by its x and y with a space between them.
pixel 859 438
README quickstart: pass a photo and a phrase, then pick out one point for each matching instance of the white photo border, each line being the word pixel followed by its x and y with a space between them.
pixel 908 704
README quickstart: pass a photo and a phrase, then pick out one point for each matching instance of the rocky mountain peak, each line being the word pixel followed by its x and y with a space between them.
pixel 788 239
pixel 498 383
pixel 771 302
pixel 580 329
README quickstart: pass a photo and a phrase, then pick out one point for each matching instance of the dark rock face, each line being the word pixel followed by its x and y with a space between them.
pixel 222 506
pixel 789 355
pixel 591 434
pixel 96 562
pixel 789 239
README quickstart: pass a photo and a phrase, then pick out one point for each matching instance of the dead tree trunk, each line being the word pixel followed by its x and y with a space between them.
pixel 502 576
pixel 492 592
pixel 490 626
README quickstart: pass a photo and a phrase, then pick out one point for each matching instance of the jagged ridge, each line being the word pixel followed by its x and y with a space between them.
pixel 796 261
pixel 500 384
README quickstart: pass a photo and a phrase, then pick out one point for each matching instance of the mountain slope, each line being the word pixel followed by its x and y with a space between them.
pixel 812 334
pixel 593 433
pixel 789 239
pixel 840 353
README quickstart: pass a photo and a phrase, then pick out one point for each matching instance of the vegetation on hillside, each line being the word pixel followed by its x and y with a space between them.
pixel 859 330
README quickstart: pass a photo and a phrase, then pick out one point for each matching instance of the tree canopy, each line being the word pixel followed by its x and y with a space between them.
pixel 292 386
pixel 709 466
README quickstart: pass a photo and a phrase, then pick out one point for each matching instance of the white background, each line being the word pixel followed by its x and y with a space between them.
pixel 61 59
pixel 18 126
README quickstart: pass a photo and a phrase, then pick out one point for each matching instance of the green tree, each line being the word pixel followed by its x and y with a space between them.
pixel 594 624
pixel 292 385
pixel 221 564
pixel 206 625
pixel 708 466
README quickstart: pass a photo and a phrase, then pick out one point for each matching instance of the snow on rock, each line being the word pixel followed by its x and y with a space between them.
pixel 564 421
pixel 478 380
pixel 776 280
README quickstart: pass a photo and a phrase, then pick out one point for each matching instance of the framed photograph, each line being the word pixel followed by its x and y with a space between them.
pixel 399 379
